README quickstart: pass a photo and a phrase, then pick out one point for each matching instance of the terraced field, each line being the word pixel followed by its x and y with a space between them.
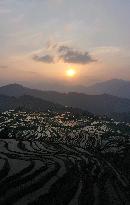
pixel 63 159
pixel 44 173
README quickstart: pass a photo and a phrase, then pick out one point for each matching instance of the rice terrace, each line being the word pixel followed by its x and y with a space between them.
pixel 63 159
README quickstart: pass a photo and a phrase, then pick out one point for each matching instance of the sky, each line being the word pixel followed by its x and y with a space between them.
pixel 41 39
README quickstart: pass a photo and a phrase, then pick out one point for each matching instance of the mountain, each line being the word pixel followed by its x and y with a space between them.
pixel 116 87
pixel 97 104
pixel 27 103
pixel 15 90
pixel 33 104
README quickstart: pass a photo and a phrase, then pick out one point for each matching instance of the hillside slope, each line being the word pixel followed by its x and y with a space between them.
pixel 28 103
pixel 98 104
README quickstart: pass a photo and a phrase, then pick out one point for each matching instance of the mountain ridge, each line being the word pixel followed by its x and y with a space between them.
pixel 98 104
pixel 116 87
pixel 26 102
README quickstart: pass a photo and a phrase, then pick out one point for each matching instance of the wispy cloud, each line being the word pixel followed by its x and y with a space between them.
pixel 107 50
pixel 44 59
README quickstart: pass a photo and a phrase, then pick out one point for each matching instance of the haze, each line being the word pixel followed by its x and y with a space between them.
pixel 41 39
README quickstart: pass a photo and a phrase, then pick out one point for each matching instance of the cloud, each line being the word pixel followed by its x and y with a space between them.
pixel 44 59
pixel 107 50
pixel 70 55
pixel 65 54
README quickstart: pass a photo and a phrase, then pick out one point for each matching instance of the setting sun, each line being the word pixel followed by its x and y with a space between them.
pixel 71 72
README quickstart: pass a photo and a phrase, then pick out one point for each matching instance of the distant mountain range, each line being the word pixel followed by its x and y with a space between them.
pixel 97 104
pixel 116 87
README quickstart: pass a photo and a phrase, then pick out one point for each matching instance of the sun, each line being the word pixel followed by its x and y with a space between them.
pixel 71 72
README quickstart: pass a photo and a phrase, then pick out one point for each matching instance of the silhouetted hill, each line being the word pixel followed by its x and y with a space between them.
pixel 15 90
pixel 116 87
pixel 30 103
pixel 27 103
pixel 98 104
